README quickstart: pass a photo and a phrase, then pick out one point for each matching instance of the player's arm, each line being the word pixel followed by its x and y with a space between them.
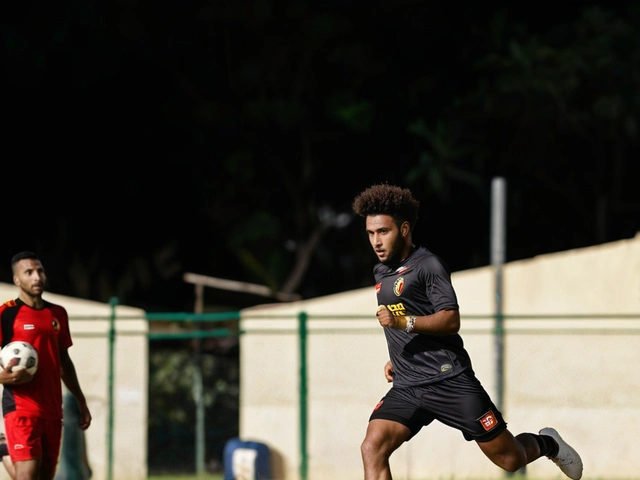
pixel 443 322
pixel 388 371
pixel 446 319
pixel 70 379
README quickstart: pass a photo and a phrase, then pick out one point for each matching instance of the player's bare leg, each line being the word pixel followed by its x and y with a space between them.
pixel 28 469
pixel 383 437
pixel 511 453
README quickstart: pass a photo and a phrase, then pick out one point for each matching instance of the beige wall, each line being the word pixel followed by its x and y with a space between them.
pixel 89 324
pixel 579 375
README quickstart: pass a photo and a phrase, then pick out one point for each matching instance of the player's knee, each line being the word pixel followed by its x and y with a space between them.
pixel 511 463
pixel 367 448
pixel 372 448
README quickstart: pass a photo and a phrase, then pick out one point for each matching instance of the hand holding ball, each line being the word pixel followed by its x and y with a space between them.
pixel 23 352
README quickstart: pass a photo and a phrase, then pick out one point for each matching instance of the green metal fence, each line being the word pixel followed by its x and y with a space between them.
pixel 503 325
pixel 193 327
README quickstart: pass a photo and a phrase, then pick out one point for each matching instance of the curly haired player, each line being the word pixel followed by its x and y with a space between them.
pixel 431 371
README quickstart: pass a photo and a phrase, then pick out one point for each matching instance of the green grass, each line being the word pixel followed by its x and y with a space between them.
pixel 212 476
pixel 221 476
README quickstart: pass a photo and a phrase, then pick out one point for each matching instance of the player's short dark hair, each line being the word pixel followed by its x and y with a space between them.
pixel 23 255
pixel 385 199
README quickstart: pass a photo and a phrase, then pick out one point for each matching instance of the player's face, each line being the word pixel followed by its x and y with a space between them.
pixel 29 276
pixel 388 241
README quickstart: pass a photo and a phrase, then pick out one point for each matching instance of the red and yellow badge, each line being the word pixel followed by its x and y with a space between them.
pixel 398 286
pixel 488 420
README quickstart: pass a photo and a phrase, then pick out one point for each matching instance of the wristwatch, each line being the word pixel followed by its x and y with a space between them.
pixel 411 322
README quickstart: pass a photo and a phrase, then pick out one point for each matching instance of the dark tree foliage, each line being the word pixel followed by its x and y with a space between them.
pixel 172 409
pixel 143 139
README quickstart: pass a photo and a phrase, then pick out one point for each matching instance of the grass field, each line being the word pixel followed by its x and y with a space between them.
pixel 220 477
pixel 186 477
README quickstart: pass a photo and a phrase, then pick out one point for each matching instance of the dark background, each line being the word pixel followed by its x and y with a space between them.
pixel 142 140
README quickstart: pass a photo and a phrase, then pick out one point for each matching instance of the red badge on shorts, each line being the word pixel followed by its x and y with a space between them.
pixel 488 420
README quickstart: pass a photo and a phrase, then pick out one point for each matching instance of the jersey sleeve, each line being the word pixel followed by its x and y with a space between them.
pixel 438 283
pixel 3 307
pixel 64 339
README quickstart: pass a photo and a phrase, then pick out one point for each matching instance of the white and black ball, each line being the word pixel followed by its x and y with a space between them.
pixel 24 352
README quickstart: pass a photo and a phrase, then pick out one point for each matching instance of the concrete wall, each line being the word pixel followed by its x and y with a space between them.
pixel 579 375
pixel 89 324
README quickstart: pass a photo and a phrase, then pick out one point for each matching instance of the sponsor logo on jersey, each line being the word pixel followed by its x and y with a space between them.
pixel 398 286
pixel 29 326
pixel 488 420
pixel 402 269
pixel 18 446
pixel 398 309
pixel 378 288
pixel 446 367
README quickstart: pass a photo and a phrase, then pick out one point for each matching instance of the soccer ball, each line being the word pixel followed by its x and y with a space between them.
pixel 25 353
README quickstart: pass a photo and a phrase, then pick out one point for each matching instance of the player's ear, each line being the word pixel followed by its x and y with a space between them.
pixel 16 280
pixel 405 228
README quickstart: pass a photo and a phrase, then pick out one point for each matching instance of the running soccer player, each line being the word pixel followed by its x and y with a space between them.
pixel 431 371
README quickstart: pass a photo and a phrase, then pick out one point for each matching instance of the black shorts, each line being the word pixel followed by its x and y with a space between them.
pixel 460 402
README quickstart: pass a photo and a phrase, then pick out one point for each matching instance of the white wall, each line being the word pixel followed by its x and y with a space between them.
pixel 89 324
pixel 578 375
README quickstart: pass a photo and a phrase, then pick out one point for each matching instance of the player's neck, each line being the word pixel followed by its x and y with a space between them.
pixel 408 251
pixel 32 301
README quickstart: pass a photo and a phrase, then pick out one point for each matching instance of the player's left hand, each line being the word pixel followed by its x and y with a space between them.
pixel 388 371
pixel 85 416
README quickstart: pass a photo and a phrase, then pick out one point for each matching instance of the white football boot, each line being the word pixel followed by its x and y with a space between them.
pixel 567 458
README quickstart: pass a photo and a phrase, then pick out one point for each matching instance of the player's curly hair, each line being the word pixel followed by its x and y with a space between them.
pixel 385 199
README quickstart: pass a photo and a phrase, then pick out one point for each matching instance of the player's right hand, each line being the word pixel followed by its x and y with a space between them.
pixel 15 376
pixel 388 371
pixel 385 318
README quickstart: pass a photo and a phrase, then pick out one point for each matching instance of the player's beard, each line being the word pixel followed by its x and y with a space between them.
pixel 34 291
pixel 396 252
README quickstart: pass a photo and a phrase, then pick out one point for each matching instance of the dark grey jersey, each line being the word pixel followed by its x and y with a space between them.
pixel 421 285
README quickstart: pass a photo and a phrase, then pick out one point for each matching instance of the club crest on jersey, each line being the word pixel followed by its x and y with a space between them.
pixel 488 420
pixel 378 288
pixel 55 324
pixel 398 286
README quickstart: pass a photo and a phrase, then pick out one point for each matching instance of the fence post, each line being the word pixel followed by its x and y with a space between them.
pixel 498 241
pixel 198 389
pixel 113 302
pixel 302 337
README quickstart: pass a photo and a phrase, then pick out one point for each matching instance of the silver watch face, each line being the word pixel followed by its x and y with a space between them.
pixel 411 321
